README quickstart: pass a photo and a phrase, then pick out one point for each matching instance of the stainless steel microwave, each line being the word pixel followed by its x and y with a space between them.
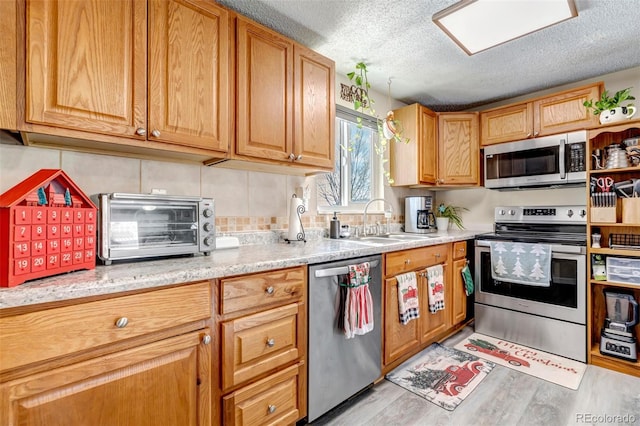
pixel 133 226
pixel 546 161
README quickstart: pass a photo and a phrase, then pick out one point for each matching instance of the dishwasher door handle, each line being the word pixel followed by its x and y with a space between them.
pixel 341 270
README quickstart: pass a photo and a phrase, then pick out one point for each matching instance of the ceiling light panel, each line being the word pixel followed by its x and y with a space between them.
pixel 476 25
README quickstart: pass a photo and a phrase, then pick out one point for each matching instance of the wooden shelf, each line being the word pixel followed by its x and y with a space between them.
pixel 615 284
pixel 618 170
pixel 613 363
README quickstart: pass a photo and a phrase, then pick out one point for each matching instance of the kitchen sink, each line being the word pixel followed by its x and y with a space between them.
pixel 391 238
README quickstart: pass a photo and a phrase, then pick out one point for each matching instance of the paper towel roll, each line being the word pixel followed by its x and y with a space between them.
pixel 295 227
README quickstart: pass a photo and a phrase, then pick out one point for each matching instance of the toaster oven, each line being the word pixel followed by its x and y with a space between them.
pixel 135 226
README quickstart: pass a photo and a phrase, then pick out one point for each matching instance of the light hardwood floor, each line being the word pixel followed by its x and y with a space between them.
pixel 504 397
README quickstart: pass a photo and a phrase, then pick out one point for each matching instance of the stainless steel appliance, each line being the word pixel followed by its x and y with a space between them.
pixel 545 161
pixel 617 337
pixel 132 226
pixel 339 368
pixel 418 215
pixel 552 318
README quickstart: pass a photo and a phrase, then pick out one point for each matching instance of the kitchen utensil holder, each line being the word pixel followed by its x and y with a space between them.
pixel 631 210
pixel 604 214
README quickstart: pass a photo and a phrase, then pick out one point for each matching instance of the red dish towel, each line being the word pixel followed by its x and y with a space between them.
pixel 408 305
pixel 358 306
pixel 435 285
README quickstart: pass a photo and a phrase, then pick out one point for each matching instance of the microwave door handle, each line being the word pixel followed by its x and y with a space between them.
pixel 563 174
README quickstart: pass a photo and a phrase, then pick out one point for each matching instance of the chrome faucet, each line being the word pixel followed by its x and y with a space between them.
pixel 364 215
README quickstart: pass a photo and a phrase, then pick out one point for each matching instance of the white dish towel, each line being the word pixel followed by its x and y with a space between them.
pixel 408 304
pixel 435 286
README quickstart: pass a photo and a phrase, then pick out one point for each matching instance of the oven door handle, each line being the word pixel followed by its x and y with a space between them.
pixel 554 248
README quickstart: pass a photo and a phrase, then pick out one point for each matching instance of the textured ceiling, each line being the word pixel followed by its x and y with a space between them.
pixel 398 40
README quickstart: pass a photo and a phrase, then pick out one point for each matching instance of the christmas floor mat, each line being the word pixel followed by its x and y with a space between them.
pixel 552 368
pixel 441 375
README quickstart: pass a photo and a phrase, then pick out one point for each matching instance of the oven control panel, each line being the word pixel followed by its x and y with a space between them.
pixel 574 214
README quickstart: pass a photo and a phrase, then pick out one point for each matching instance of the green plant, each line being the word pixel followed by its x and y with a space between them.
pixel 607 102
pixel 364 103
pixel 452 213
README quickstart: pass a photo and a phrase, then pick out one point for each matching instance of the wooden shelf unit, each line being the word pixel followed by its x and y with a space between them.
pixel 599 138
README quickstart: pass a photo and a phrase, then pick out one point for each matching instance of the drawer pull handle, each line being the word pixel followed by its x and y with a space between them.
pixel 271 342
pixel 270 290
pixel 122 322
pixel 206 339
pixel 271 409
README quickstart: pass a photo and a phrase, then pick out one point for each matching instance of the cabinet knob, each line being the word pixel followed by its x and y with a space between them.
pixel 407 261
pixel 206 339
pixel 437 255
pixel 271 342
pixel 536 133
pixel 271 409
pixel 529 134
pixel 141 131
pixel 299 157
pixel 270 290
pixel 292 156
pixel 122 322
pixel 155 133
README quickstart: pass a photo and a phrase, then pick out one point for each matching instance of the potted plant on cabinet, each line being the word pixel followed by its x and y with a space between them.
pixel 446 214
pixel 609 108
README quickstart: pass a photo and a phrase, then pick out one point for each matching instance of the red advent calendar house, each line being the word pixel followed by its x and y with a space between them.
pixel 47 227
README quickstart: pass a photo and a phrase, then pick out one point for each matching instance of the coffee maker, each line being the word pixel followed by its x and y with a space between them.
pixel 418 215
pixel 617 336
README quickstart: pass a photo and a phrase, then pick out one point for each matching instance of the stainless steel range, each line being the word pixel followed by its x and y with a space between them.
pixel 553 317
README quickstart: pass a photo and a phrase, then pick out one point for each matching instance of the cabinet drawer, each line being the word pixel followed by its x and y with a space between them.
pixel 258 343
pixel 459 249
pixel 61 331
pixel 256 290
pixel 271 401
pixel 409 260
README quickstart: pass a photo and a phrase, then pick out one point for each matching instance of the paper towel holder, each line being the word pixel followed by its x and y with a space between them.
pixel 300 235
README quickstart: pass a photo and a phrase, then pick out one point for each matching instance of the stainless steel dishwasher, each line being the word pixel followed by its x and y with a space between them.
pixel 339 367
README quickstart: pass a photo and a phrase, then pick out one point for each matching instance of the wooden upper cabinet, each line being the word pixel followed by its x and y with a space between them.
pixel 264 93
pixel 189 74
pixel 548 115
pixel 86 65
pixel 443 148
pixel 415 163
pixel 459 149
pixel 565 111
pixel 511 123
pixel 314 108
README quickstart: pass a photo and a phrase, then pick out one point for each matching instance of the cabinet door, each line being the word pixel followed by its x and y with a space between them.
pixel 315 108
pixel 164 383
pixel 86 65
pixel 459 152
pixel 264 93
pixel 428 143
pixel 565 111
pixel 506 124
pixel 399 339
pixel 189 74
pixel 432 324
pixel 458 295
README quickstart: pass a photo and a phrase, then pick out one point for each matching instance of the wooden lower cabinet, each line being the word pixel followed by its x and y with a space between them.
pixel 162 383
pixel 262 323
pixel 400 341
pixel 138 359
pixel 273 400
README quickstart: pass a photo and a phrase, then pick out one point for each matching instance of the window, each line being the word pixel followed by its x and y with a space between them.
pixel 357 177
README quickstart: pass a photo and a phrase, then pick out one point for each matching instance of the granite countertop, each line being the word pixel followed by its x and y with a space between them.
pixel 242 260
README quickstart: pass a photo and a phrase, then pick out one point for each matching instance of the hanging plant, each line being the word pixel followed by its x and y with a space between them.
pixel 389 129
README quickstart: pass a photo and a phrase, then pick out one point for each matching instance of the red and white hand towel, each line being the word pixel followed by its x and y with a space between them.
pixel 408 305
pixel 435 285
pixel 358 306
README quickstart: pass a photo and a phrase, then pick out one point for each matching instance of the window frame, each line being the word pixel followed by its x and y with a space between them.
pixel 377 175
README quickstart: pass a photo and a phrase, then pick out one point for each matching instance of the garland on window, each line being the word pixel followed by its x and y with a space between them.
pixel 389 129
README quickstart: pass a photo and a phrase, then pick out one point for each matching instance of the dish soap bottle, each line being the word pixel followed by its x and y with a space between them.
pixel 334 227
